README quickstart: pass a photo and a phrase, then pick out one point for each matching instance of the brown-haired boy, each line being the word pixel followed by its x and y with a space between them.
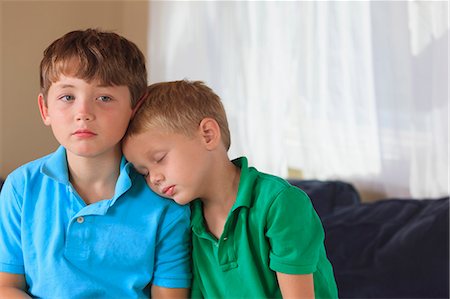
pixel 80 223
pixel 254 235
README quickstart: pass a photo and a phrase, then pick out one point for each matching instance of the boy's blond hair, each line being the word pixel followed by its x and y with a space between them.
pixel 93 54
pixel 179 107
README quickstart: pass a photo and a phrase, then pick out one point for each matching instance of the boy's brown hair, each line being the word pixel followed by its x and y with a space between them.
pixel 179 107
pixel 94 54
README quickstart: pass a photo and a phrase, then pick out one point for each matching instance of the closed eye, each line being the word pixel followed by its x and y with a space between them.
pixel 159 157
pixel 142 171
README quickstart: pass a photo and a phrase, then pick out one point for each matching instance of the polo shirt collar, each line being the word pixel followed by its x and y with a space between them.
pixel 56 168
pixel 124 179
pixel 246 182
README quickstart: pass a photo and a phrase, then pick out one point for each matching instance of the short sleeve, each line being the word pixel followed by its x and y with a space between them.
pixel 173 249
pixel 11 257
pixel 295 233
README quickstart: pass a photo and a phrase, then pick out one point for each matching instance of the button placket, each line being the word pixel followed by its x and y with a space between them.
pixel 76 245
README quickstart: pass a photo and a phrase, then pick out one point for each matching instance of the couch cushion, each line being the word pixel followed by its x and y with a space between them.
pixel 396 248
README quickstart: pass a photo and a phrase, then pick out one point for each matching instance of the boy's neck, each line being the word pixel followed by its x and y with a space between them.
pixel 225 188
pixel 94 178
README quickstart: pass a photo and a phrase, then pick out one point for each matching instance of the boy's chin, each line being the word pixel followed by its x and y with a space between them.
pixel 180 201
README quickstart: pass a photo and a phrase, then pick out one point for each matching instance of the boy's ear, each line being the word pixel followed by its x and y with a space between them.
pixel 43 109
pixel 210 132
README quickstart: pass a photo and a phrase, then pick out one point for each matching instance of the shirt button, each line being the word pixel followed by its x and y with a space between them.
pixel 226 238
pixel 80 219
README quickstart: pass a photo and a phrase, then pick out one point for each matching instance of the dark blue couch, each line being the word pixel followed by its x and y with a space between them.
pixel 392 248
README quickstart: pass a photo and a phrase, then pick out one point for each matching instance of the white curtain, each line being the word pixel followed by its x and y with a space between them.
pixel 355 91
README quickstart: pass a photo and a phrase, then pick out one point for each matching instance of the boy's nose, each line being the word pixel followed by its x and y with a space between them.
pixel 84 117
pixel 84 111
pixel 156 179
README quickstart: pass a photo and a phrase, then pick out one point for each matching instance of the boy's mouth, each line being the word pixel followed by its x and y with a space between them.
pixel 84 133
pixel 169 191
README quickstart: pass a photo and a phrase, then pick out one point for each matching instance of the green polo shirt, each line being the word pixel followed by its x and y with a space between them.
pixel 272 227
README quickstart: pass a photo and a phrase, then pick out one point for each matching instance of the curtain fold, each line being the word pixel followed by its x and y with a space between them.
pixel 355 91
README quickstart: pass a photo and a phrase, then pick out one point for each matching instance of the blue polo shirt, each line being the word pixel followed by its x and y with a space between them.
pixel 114 248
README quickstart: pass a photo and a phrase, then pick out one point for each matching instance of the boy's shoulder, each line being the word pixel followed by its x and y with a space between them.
pixel 271 184
pixel 270 179
pixel 29 169
pixel 25 179
pixel 263 188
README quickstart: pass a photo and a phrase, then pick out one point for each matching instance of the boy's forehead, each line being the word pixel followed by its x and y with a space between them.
pixel 68 66
pixel 72 67
pixel 137 148
pixel 147 140
pixel 70 79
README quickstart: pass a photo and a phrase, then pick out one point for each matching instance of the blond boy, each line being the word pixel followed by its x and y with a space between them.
pixel 254 235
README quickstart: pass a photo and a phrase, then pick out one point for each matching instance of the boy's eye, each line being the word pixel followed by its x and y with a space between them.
pixel 143 172
pixel 104 98
pixel 159 157
pixel 67 98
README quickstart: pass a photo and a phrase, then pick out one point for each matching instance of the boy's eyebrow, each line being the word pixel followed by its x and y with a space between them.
pixel 104 85
pixel 64 85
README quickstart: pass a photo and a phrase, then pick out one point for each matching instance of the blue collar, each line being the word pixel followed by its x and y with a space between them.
pixel 56 168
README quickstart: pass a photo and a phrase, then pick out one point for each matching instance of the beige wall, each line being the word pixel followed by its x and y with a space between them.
pixel 26 29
